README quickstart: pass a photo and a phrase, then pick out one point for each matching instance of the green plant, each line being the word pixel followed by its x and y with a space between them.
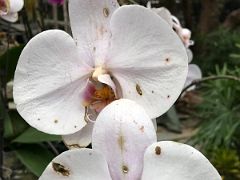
pixel 214 48
pixel 218 135
pixel 220 112
pixel 236 56
pixel 227 162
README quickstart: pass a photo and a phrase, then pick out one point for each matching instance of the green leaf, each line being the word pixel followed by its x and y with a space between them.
pixel 171 120
pixel 8 128
pixel 34 157
pixel 8 61
pixel 238 45
pixel 235 56
pixel 14 125
pixel 32 135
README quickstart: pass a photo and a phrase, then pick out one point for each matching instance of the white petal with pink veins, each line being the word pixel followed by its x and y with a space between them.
pixel 169 160
pixel 121 133
pixel 77 164
pixel 147 58
pixel 49 78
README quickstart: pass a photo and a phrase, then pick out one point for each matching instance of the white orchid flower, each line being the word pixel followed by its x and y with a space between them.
pixel 62 83
pixel 125 147
pixel 9 9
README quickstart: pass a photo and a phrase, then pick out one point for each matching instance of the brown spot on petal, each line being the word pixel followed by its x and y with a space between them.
pixel 139 90
pixel 101 31
pixel 121 142
pixel 168 96
pixel 106 12
pixel 141 129
pixel 55 121
pixel 60 169
pixel 152 91
pixel 167 60
pixel 71 146
pixel 125 169
pixel 94 49
pixel 75 126
pixel 38 119
pixel 157 150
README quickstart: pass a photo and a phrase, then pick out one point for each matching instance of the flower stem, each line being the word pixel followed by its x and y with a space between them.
pixel 199 81
pixel 53 148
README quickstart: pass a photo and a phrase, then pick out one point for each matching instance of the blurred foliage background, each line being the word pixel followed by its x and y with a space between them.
pixel 212 110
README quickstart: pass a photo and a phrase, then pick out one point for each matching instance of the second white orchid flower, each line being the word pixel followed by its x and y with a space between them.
pixel 125 147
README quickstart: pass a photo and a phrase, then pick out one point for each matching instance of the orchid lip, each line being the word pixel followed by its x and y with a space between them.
pixel 98 71
pixel 99 92
pixel 4 7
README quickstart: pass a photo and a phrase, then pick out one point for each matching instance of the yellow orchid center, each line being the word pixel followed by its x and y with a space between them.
pixel 97 94
pixel 103 94
pixel 96 98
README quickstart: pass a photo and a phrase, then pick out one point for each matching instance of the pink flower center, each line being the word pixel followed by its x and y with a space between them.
pixel 4 7
pixel 96 96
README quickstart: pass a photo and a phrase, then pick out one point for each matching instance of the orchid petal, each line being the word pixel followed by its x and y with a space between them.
pixel 150 64
pixel 16 5
pixel 168 160
pixel 48 80
pixel 155 123
pixel 121 133
pixel 79 139
pixel 176 21
pixel 189 54
pixel 165 14
pixel 77 164
pixel 149 5
pixel 90 24
pixel 10 17
pixel 185 35
pixel 194 73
